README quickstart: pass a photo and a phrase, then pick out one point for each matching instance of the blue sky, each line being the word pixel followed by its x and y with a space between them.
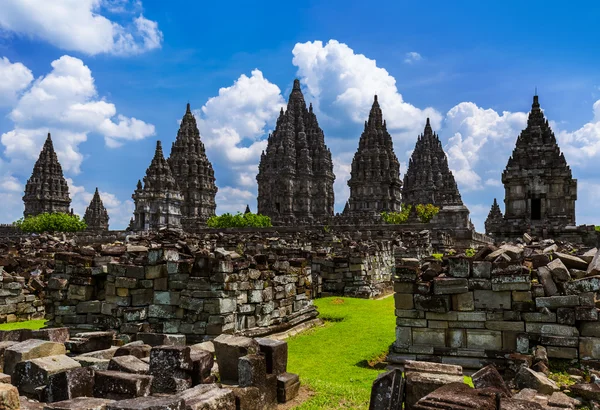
pixel 119 78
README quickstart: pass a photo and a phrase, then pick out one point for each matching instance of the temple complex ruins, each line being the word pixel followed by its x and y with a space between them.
pixel 375 176
pixel 47 189
pixel 158 201
pixel 96 215
pixel 295 175
pixel 193 173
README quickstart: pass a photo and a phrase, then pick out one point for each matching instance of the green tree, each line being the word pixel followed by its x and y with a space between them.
pixel 51 222
pixel 239 220
pixel 424 212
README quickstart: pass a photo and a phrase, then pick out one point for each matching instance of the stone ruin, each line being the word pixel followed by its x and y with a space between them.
pixel 50 370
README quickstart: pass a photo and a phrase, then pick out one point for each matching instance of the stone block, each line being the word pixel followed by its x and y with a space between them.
pixel 505 326
pixel 588 329
pixel 128 364
pixel 527 378
pixel 252 370
pixel 548 284
pixel 9 397
pixel 69 384
pixel 172 368
pixel 511 282
pixel 484 339
pixel 482 269
pixel 149 403
pixel 594 266
pixel 456 338
pixel 571 261
pixel 463 302
pixel 138 349
pixel 404 301
pixel 559 330
pixel 121 386
pixel 31 375
pixel 276 354
pixel 166 298
pixel 555 352
pixel 565 316
pixel 228 350
pixel 30 349
pixel 419 385
pixel 448 286
pixel 403 337
pixel 540 317
pixel 429 337
pixel 459 267
pixel 288 386
pixel 432 303
pixel 488 299
pixel 488 377
pixel 561 341
pixel 585 313
pixel 559 271
pixel 79 403
pixel 55 334
pixel 202 364
pixel 90 342
pixel 554 302
pixel 471 316
pixel 208 396
pixel 589 348
pixel 161 339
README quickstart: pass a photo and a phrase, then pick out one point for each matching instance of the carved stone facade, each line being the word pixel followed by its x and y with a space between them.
pixel 375 176
pixel 46 190
pixel 193 173
pixel 96 216
pixel 428 180
pixel 158 202
pixel 295 177
pixel 540 191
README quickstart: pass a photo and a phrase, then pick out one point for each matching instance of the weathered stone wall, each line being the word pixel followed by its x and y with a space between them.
pixel 19 300
pixel 168 290
pixel 474 312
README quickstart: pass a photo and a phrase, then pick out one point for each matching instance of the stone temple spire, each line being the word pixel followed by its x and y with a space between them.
pixel 375 176
pixel 539 187
pixel 46 190
pixel 295 176
pixel 193 173
pixel 158 201
pixel 494 218
pixel 96 216
pixel 428 180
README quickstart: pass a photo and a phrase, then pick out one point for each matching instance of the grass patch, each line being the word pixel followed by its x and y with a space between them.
pixel 30 324
pixel 340 360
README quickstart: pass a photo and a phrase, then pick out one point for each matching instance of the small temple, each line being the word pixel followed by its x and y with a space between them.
pixel 47 189
pixel 158 201
pixel 295 177
pixel 375 184
pixel 96 216
pixel 193 173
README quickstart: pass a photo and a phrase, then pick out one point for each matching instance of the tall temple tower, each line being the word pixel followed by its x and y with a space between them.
pixel 295 174
pixel 96 216
pixel 193 173
pixel 46 190
pixel 158 202
pixel 375 177
pixel 538 184
pixel 428 180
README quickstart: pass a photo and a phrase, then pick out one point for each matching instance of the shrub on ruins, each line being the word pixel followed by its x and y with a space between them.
pixel 598 228
pixel 239 220
pixel 51 222
pixel 425 212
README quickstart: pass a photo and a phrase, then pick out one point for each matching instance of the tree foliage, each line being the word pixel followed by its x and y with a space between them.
pixel 598 228
pixel 51 222
pixel 239 220
pixel 424 212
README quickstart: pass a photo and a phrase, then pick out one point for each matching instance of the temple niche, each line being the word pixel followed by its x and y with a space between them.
pixel 540 191
pixel 428 180
pixel 193 173
pixel 295 176
pixel 158 201
pixel 375 176
pixel 47 189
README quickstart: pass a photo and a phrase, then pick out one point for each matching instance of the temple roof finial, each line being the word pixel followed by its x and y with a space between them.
pixel 188 110
pixel 296 84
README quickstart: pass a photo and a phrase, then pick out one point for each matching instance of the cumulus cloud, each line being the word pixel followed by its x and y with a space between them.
pixel 14 77
pixel 65 102
pixel 412 57
pixel 582 146
pixel 78 25
pixel 234 200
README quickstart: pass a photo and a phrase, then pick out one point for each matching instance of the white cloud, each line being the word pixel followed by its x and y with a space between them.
pixel 412 57
pixel 65 102
pixel 78 25
pixel 233 200
pixel 342 84
pixel 14 77
pixel 582 146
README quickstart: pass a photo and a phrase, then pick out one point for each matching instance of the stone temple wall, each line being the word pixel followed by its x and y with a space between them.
pixel 487 309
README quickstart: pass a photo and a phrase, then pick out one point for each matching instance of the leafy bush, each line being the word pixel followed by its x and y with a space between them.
pixel 239 220
pixel 424 212
pixel 598 228
pixel 469 253
pixel 54 222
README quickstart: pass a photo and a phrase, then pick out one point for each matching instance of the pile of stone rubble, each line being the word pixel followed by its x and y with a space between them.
pixel 46 369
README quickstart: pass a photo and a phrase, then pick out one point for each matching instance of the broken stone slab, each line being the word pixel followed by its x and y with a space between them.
pixel 433 368
pixel 208 346
pixel 90 342
pixel 419 385
pixel 92 362
pixel 554 302
pixel 172 368
pixel 3 346
pixel 513 252
pixel 228 350
pixel 288 386
pixel 455 396
pixel 276 354
pixel 203 363
pixel 31 374
pixel 162 339
pixel 588 284
pixel 559 271
pixel 139 350
pixel 252 370
pixel 121 386
pixel 30 349
pixel 489 377
pixel 105 354
pixel 588 256
pixel 387 391
pixel 571 261
pixel 594 267
pixel 79 403
pixel 5 378
pixel 149 403
pixel 55 334
pixel 588 391
pixel 527 378
pixel 561 400
pixel 69 384
pixel 208 396
pixel 128 364
pixel 9 397
pixel 545 278
pixel 12 335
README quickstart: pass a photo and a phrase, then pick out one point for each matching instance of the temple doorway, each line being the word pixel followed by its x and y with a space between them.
pixel 536 209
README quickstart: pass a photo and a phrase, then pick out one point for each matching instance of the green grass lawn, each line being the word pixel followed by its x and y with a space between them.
pixel 331 360
pixel 30 324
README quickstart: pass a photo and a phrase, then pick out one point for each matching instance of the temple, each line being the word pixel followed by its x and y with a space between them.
pixel 47 189
pixel 428 180
pixel 295 177
pixel 193 173
pixel 375 176
pixel 96 216
pixel 158 201
pixel 540 191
